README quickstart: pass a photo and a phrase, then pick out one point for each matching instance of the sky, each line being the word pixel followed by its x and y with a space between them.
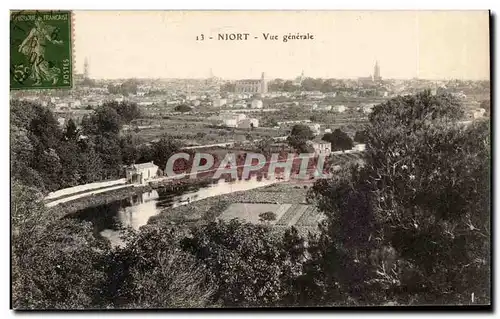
pixel 346 44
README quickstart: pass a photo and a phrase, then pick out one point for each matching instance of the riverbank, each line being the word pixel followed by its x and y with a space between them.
pixel 210 208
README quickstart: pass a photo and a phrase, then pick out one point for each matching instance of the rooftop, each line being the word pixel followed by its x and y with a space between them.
pixel 144 165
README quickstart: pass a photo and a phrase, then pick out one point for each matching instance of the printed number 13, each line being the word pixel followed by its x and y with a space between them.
pixel 200 37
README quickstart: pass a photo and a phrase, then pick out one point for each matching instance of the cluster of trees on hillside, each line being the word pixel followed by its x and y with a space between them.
pixel 339 140
pixel 50 157
pixel 307 84
pixel 413 224
pixel 299 137
pixel 410 226
pixel 183 108
pixel 127 87
pixel 301 134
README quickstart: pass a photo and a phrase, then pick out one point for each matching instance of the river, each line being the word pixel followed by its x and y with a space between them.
pixel 111 219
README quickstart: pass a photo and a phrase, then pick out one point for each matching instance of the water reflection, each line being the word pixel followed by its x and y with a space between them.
pixel 109 220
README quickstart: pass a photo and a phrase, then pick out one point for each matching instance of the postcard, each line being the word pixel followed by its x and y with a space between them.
pixel 250 159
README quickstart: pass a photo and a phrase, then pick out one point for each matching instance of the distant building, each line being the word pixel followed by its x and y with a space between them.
pixel 298 80
pixel 459 95
pixel 315 128
pixel 240 104
pixel 478 113
pixel 294 122
pixel 322 147
pixel 251 86
pixel 322 107
pixel 62 105
pixel 257 104
pixel 230 122
pixel 339 108
pixel 368 108
pixel 228 119
pixel 359 147
pixel 74 103
pixel 145 103
pixel 219 102
pixel 376 73
pixel 376 77
pixel 141 173
pixel 366 80
pixel 86 69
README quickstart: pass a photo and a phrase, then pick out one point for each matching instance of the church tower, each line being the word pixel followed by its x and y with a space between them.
pixel 376 72
pixel 263 84
pixel 86 68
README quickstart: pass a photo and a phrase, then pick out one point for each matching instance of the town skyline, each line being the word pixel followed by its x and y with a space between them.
pixel 424 45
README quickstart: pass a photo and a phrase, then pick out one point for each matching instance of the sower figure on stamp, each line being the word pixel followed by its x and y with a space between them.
pixel 33 47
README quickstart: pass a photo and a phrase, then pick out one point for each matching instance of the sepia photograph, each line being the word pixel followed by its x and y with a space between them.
pixel 250 159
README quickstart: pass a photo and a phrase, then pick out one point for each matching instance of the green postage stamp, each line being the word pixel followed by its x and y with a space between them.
pixel 41 50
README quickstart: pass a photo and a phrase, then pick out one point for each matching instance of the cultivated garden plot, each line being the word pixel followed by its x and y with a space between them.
pixel 286 215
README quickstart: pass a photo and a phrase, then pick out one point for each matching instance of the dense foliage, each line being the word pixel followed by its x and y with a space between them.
pixel 183 108
pixel 299 136
pixel 416 217
pixel 411 225
pixel 50 157
pixel 339 140
pixel 360 137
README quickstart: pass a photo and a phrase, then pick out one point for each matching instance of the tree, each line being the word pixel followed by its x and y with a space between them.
pixel 299 136
pixel 35 142
pixel 71 130
pixel 163 149
pixel 339 140
pixel 310 84
pixel 127 87
pixel 22 154
pixel 108 148
pixel 249 137
pixel 50 269
pixel 151 271
pixel 273 123
pixel 314 118
pixel 245 262
pixel 360 137
pixel 128 111
pixel 288 86
pixel 420 206
pixel 228 87
pixel 90 166
pixel 264 146
pixel 267 217
pixel 105 119
pixel 275 85
pixel 44 128
pixel 486 105
pixel 69 154
pixel 183 108
pixel 48 165
pixel 129 149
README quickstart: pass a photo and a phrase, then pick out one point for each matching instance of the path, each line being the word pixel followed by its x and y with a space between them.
pixel 77 196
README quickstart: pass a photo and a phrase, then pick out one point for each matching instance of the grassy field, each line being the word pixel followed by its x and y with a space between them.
pixel 287 215
pixel 201 132
pixel 250 212
pixel 209 209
